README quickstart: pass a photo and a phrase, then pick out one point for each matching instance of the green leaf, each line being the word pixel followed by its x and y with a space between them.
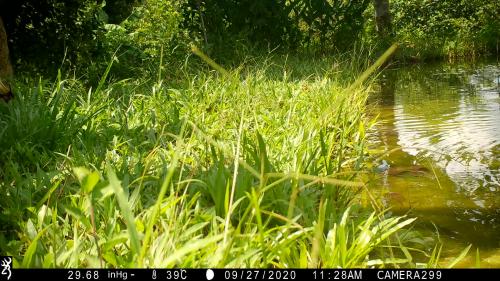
pixel 460 257
pixel 41 215
pixel 90 182
pixel 87 179
pixel 80 173
pixel 126 211
pixel 190 247
pixel 47 194
pixel 30 252
pixel 30 229
pixel 78 214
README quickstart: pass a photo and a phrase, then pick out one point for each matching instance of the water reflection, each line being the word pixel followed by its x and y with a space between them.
pixel 446 121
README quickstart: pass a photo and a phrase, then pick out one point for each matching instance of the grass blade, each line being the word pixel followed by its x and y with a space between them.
pixel 126 211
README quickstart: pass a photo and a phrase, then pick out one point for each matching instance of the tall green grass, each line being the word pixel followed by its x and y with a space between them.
pixel 257 167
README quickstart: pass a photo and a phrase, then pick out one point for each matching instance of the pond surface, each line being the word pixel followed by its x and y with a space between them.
pixel 440 127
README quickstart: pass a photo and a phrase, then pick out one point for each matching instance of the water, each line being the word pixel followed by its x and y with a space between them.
pixel 440 127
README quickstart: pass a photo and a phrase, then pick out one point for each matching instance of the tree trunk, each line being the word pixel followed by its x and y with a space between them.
pixel 5 66
pixel 383 18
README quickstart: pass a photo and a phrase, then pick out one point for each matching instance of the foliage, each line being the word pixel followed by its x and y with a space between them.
pixel 292 24
pixel 256 168
pixel 329 24
pixel 150 34
pixel 453 28
pixel 118 10
pixel 43 121
pixel 44 32
pixel 86 35
pixel 257 21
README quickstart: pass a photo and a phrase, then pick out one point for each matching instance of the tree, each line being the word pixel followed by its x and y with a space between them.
pixel 383 18
pixel 43 33
pixel 5 66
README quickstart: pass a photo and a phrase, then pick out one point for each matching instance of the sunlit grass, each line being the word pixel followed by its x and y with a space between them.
pixel 252 168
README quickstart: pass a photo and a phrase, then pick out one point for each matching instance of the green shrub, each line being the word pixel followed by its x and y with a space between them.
pixel 446 28
pixel 149 34
pixel 227 26
pixel 43 33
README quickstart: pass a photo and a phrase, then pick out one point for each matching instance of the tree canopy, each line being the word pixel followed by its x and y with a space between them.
pixel 44 32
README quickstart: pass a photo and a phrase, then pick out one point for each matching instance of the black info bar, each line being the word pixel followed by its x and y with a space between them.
pixel 248 274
